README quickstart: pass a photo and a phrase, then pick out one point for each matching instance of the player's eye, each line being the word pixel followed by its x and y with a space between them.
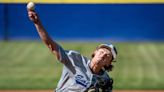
pixel 101 52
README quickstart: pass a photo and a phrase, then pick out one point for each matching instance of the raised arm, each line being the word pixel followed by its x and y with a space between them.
pixel 53 46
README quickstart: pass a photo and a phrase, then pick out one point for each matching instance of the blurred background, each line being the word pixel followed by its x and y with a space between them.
pixel 135 27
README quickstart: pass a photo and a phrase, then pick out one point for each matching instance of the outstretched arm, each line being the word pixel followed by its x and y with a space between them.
pixel 53 46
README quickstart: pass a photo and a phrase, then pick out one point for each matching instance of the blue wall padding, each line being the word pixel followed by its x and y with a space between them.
pixel 86 21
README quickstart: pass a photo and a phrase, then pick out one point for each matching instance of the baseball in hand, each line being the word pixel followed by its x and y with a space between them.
pixel 30 6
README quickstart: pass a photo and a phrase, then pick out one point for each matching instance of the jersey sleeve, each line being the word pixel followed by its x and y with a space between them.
pixel 71 59
pixel 63 57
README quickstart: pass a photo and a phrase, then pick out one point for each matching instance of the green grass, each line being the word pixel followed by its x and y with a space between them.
pixel 30 65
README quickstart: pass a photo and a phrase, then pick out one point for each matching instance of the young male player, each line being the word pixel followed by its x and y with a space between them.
pixel 79 73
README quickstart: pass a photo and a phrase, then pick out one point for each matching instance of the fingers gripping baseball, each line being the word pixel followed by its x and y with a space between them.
pixel 33 16
pixel 31 12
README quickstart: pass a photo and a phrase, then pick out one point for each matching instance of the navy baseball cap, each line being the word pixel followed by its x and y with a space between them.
pixel 112 49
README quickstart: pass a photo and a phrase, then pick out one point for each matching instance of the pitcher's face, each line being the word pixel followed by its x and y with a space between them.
pixel 102 57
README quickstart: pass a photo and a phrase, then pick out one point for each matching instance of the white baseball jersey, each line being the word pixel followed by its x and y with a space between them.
pixel 77 75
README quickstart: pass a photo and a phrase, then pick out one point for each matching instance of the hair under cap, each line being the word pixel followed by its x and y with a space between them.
pixel 111 47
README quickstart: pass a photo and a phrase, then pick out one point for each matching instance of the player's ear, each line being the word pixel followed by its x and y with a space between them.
pixel 93 54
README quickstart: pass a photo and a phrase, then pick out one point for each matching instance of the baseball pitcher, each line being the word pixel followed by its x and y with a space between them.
pixel 79 74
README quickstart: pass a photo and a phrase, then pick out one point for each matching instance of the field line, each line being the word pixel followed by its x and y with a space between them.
pixel 150 61
pixel 25 53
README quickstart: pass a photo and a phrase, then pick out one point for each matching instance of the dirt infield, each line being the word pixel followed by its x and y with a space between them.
pixel 53 91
